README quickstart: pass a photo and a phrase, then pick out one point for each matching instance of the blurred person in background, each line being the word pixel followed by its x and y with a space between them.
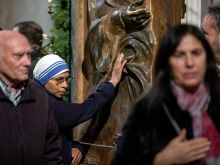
pixel 211 29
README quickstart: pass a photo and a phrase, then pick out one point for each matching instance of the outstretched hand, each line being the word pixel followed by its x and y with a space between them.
pixel 180 151
pixel 117 70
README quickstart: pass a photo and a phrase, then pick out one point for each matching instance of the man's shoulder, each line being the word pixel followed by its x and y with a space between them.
pixel 36 86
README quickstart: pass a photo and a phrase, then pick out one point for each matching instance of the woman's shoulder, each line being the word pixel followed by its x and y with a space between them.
pixel 143 106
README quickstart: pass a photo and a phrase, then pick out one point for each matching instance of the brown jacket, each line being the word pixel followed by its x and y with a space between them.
pixel 28 131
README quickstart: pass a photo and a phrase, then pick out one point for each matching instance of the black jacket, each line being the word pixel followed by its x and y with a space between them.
pixel 148 131
pixel 28 132
pixel 69 115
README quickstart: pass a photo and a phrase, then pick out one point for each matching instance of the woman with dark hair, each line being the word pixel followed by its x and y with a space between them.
pixel 177 120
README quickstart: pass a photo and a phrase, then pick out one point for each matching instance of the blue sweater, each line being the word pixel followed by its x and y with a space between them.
pixel 68 115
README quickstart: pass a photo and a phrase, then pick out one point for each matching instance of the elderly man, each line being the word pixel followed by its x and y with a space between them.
pixel 28 130
pixel 34 33
pixel 211 29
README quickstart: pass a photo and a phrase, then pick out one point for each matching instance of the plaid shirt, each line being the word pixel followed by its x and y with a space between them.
pixel 13 96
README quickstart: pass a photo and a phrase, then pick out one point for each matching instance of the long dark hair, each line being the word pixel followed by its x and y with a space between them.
pixel 167 47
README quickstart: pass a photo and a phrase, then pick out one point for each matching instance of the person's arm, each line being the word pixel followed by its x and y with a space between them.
pixel 52 149
pixel 71 114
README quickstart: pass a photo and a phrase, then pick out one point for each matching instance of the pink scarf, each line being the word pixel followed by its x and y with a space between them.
pixel 196 104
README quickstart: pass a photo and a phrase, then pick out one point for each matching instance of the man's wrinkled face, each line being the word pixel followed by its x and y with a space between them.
pixel 212 35
pixel 15 59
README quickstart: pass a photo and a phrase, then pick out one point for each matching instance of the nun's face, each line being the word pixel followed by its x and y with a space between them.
pixel 58 85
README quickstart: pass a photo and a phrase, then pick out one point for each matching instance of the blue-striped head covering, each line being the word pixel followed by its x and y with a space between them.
pixel 48 67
